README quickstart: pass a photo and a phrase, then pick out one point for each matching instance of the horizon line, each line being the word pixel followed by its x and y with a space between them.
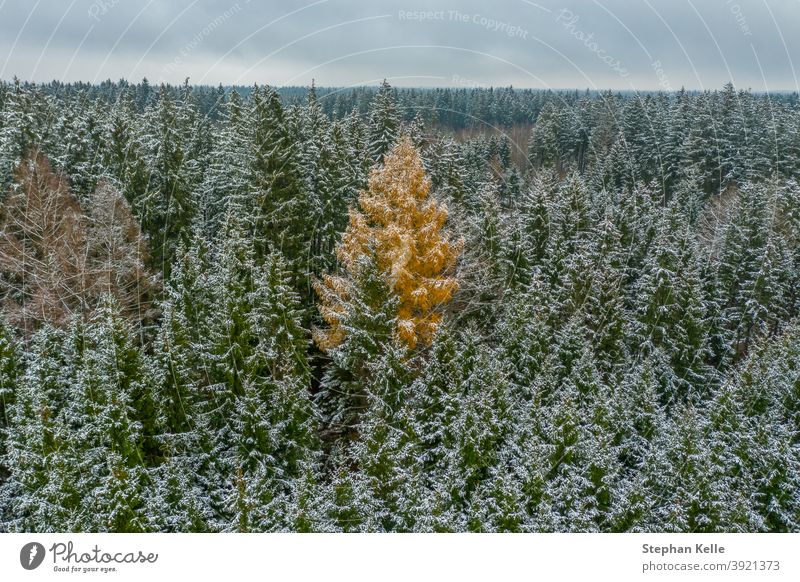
pixel 415 87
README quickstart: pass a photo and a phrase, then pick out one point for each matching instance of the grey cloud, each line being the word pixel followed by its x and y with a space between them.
pixel 620 44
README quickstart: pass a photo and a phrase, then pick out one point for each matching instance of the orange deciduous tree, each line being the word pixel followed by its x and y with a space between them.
pixel 401 227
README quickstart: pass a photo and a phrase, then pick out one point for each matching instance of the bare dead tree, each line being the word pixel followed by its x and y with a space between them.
pixel 56 261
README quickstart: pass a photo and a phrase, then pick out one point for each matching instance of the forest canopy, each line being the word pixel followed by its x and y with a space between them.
pixel 305 309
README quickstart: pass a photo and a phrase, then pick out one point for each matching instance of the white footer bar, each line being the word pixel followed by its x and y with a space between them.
pixel 406 557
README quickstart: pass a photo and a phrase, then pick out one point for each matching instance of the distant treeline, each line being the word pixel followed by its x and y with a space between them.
pixel 453 108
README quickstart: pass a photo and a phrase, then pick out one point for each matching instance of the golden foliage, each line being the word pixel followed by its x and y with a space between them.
pixel 401 226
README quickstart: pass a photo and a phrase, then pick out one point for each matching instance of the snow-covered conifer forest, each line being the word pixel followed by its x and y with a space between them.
pixel 256 309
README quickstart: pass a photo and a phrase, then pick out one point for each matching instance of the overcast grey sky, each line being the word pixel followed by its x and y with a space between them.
pixel 620 44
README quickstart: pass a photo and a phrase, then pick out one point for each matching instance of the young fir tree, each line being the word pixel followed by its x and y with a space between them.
pixel 479 432
pixel 25 117
pixel 788 206
pixel 379 466
pixel 543 150
pixel 671 314
pixel 175 498
pixel 169 206
pixel 526 327
pixel 384 122
pixel 696 499
pixel 110 417
pixel 741 259
pixel 187 492
pixel 339 181
pixel 367 319
pixel 582 481
pixel 227 173
pixel 186 308
pixel 41 493
pixel 604 306
pixel 122 154
pixel 461 417
pixel 278 207
pixel 274 422
pixel 492 247
pixel 641 429
pixel 78 151
pixel 534 222
pixel 752 435
pixel 236 395
pixel 10 371
pixel 444 165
